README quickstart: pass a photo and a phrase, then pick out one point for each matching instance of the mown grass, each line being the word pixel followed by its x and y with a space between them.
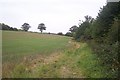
pixel 18 45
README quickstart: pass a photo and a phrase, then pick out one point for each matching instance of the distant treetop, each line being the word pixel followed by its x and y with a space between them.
pixel 42 27
pixel 26 26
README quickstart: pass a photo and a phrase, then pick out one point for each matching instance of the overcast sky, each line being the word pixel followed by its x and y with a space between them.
pixel 57 15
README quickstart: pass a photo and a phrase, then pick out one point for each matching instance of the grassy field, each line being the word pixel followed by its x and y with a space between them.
pixel 33 55
pixel 19 45
pixel 77 62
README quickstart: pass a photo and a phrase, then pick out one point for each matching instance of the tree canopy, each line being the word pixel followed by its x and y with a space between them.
pixel 73 28
pixel 26 26
pixel 102 35
pixel 42 27
pixel 6 27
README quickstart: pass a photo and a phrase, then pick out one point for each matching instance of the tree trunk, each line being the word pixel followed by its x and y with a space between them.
pixel 41 31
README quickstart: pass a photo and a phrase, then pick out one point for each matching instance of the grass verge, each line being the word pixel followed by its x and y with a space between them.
pixel 85 61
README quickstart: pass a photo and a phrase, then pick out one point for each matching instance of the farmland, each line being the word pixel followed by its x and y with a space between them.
pixel 19 45
pixel 89 49
pixel 34 55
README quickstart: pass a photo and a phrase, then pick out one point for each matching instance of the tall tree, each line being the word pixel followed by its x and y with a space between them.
pixel 42 27
pixel 105 19
pixel 83 29
pixel 26 26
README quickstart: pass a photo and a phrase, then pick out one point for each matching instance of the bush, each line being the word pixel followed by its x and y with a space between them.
pixel 60 33
pixel 6 27
pixel 69 34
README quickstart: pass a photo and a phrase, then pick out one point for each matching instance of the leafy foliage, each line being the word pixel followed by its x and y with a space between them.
pixel 73 28
pixel 41 27
pixel 60 33
pixel 6 27
pixel 25 26
pixel 105 18
pixel 102 35
pixel 68 34
pixel 83 28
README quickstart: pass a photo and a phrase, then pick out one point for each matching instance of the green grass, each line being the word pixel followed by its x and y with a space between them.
pixel 17 45
pixel 87 62
pixel 75 63
pixel 60 57
pixel 23 43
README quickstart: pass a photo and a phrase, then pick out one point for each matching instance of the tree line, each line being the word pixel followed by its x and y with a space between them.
pixel 6 27
pixel 102 35
pixel 25 27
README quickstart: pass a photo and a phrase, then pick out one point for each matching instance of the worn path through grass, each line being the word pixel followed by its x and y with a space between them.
pixel 76 62
pixel 57 65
